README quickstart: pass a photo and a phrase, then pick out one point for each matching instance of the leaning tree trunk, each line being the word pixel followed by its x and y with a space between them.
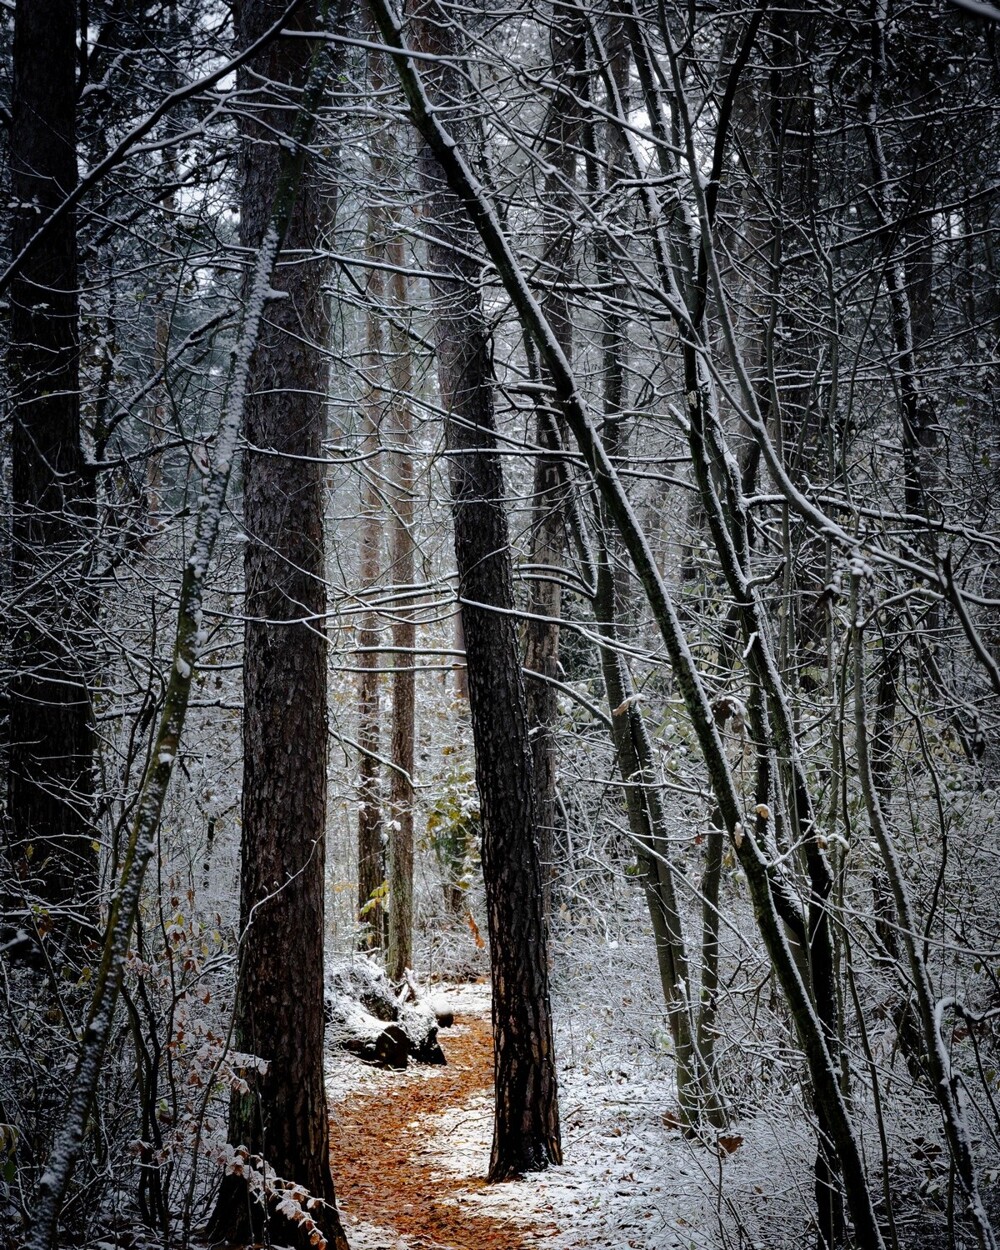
pixel 773 906
pixel 51 729
pixel 699 1101
pixel 279 1003
pixel 526 1123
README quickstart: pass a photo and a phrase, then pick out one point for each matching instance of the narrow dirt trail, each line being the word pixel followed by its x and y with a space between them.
pixel 388 1173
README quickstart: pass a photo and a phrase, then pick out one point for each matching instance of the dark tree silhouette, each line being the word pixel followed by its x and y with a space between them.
pixel 51 735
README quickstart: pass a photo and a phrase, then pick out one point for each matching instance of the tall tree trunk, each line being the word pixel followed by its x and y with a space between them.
pixel 918 418
pixel 279 1002
pixel 526 1122
pixel 698 1100
pixel 50 786
pixel 566 49
pixel 371 851
pixel 404 636
pixel 385 849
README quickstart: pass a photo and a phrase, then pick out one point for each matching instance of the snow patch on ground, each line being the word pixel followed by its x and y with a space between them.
pixel 463 1000
pixel 627 1181
pixel 364 1236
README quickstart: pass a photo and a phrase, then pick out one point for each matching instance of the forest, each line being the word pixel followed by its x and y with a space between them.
pixel 499 634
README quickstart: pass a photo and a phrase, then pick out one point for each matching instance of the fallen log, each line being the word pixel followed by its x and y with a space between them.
pixel 351 1028
pixel 368 1018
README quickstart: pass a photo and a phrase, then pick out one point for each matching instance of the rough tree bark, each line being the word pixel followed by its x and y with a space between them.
pixel 51 733
pixel 279 1002
pixel 526 1124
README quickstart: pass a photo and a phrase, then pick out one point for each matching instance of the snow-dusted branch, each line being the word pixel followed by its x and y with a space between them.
pixel 946 1086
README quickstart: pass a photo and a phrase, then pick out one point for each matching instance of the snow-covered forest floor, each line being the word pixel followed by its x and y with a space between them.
pixel 411 1149
pixel 629 1178
pixel 622 1182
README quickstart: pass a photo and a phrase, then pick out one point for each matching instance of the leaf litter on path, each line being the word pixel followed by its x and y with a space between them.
pixel 387 1164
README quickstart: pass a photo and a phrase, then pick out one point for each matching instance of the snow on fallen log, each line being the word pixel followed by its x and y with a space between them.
pixel 368 1018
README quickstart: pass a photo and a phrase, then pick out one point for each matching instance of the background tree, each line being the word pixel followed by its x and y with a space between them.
pixel 371 822
pixel 48 826
pixel 399 953
pixel 561 143
pixel 526 1119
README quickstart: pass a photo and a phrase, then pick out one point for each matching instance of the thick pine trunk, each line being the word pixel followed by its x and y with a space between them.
pixel 526 1123
pixel 279 1008
pixel 51 730
pixel 526 1126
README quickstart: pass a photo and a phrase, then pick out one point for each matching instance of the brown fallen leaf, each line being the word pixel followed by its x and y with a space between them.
pixel 474 930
